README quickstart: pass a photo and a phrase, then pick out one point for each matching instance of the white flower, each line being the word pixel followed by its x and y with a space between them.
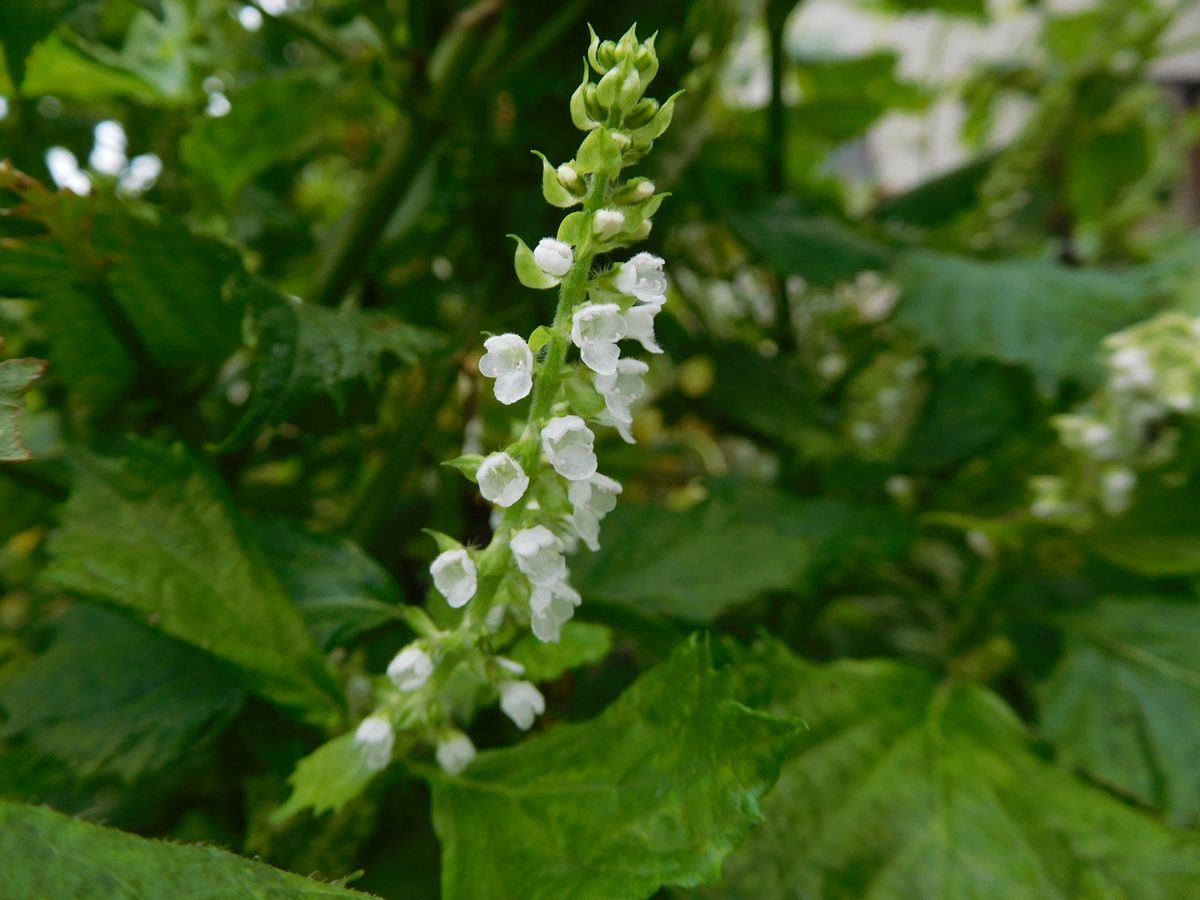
pixel 595 330
pixel 510 361
pixel 645 190
pixel 521 702
pixel 375 740
pixel 568 444
pixel 622 388
pixel 410 668
pixel 608 222
pixel 454 576
pixel 551 608
pixel 639 326
pixel 623 429
pixel 592 499
pixel 1116 489
pixel 539 555
pixel 501 479
pixel 553 257
pixel 643 277
pixel 454 754
pixel 1132 369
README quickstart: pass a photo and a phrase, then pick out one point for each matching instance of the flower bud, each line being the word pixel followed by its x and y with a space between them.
pixel 521 702
pixel 608 222
pixel 554 257
pixel 454 576
pixel 569 178
pixel 375 741
pixel 455 753
pixel 501 479
pixel 642 113
pixel 567 443
pixel 410 668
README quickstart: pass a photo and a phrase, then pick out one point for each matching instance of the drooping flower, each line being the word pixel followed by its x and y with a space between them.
pixel 608 222
pixel 622 388
pixel 639 326
pixel 521 702
pixel 643 277
pixel 410 668
pixel 554 257
pixel 538 554
pixel 454 576
pixel 510 361
pixel 595 330
pixel 455 753
pixel 375 741
pixel 592 500
pixel 551 607
pixel 568 443
pixel 501 479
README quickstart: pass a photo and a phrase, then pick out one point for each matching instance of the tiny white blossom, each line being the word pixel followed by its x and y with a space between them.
pixel 554 257
pixel 375 740
pixel 645 190
pixel 639 326
pixel 501 479
pixel 454 754
pixel 643 277
pixel 551 607
pixel 568 443
pixel 454 576
pixel 623 429
pixel 510 361
pixel 1116 489
pixel 568 176
pixel 410 668
pixel 595 330
pixel 521 702
pixel 538 554
pixel 592 500
pixel 1132 369
pixel 622 388
pixel 608 222
pixel 1096 436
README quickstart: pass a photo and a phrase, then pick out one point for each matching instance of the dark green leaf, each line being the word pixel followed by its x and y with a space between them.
pixel 110 696
pixel 23 24
pixel 906 787
pixel 939 200
pixel 156 534
pixel 45 854
pixel 1159 537
pixel 655 791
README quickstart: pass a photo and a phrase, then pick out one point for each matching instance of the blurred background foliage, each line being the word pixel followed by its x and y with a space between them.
pixel 899 235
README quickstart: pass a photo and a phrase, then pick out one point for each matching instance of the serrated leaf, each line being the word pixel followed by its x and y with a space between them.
pixel 112 697
pixel 907 787
pixel 46 854
pixel 327 779
pixel 1032 313
pixel 155 533
pixel 340 591
pixel 581 644
pixel 528 271
pixel 229 151
pixel 1123 704
pixel 655 791
pixel 16 375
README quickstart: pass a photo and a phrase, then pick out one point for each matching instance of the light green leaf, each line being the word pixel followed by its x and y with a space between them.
pixel 553 190
pixel 112 697
pixel 45 854
pixel 327 779
pixel 528 271
pixel 1124 703
pixel 1033 313
pixel 737 545
pixel 155 49
pixel 599 153
pixel 16 375
pixel 230 151
pixel 340 591
pixel 655 791
pixel 156 534
pixel 582 644
pixel 906 787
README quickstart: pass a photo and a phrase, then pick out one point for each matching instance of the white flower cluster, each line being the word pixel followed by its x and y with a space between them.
pixel 547 488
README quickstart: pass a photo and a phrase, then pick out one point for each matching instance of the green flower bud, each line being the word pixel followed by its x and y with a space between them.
pixel 642 113
pixel 581 116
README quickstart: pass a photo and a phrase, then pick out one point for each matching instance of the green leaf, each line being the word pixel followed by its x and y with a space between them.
pixel 230 151
pixel 582 644
pixel 1159 537
pixel 822 251
pixel 906 787
pixel 340 591
pixel 23 24
pixel 45 854
pixel 1123 704
pixel 156 534
pixel 112 697
pixel 528 271
pixel 842 97
pixel 599 153
pixel 302 351
pixel 15 377
pixel 730 549
pixel 1033 313
pixel 327 779
pixel 655 791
